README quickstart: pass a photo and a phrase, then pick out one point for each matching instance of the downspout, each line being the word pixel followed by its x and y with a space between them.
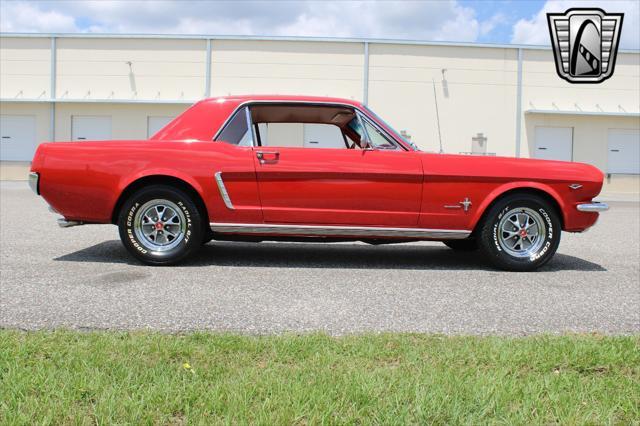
pixel 365 77
pixel 519 104
pixel 52 91
pixel 207 83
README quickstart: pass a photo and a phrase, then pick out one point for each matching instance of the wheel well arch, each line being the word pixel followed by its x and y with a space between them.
pixel 158 180
pixel 522 190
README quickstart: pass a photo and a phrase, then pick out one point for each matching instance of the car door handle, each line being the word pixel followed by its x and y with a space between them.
pixel 542 148
pixel 615 150
pixel 268 156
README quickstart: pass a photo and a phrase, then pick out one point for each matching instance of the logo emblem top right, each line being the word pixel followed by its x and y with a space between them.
pixel 585 43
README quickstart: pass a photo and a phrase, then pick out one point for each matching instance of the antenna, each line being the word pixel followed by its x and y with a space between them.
pixel 435 98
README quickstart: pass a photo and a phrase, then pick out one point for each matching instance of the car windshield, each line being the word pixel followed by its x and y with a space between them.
pixel 396 134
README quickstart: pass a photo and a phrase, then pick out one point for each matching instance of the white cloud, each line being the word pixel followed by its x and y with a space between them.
pixel 427 20
pixel 25 17
pixel 535 30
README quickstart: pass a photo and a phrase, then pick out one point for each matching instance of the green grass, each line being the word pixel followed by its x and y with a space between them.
pixel 65 377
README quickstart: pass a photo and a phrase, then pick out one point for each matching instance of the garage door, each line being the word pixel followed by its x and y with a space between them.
pixel 554 143
pixel 154 124
pixel 18 137
pixel 624 151
pixel 90 128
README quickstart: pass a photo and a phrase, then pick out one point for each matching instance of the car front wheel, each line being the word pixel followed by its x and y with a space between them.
pixel 160 225
pixel 521 232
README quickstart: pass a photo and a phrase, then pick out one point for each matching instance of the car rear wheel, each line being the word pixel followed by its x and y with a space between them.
pixel 468 244
pixel 521 232
pixel 160 225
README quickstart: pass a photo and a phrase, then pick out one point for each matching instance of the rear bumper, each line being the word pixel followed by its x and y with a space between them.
pixel 593 207
pixel 34 182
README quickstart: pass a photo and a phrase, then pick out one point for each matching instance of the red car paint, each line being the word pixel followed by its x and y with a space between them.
pixel 84 181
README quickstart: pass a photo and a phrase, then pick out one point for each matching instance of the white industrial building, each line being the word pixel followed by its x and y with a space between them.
pixel 88 86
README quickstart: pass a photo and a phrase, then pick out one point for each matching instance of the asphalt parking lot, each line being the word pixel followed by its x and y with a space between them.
pixel 83 278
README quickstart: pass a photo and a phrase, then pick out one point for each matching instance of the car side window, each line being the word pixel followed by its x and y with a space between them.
pixel 237 130
pixel 301 135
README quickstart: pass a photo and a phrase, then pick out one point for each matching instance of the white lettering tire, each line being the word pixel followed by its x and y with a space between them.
pixel 520 232
pixel 160 225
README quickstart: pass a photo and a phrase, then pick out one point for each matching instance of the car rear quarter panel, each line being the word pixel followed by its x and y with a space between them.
pixel 84 180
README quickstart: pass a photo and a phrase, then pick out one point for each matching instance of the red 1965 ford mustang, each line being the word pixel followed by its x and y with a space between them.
pixel 252 168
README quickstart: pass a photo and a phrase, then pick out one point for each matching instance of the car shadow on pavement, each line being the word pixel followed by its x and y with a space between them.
pixel 310 255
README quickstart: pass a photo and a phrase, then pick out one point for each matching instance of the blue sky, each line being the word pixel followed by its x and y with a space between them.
pixel 489 21
pixel 512 11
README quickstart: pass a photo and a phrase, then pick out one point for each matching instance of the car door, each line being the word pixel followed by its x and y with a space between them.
pixel 349 187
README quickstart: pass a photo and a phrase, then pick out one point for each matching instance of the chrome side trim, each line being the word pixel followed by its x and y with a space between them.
pixel 34 181
pixel 593 207
pixel 223 191
pixel 365 231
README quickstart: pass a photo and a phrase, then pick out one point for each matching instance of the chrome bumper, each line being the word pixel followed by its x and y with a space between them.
pixel 34 182
pixel 593 207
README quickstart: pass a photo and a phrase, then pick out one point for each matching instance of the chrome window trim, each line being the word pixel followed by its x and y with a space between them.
pixel 248 103
pixel 364 231
pixel 364 130
pixel 250 127
pixel 223 191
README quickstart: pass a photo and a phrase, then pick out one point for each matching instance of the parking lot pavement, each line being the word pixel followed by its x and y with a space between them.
pixel 83 278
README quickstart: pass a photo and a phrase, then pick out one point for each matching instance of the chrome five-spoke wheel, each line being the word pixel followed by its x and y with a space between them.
pixel 521 232
pixel 160 225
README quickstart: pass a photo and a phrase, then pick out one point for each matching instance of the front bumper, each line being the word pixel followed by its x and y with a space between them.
pixel 593 207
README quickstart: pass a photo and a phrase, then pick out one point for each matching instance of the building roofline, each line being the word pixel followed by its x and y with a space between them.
pixel 576 112
pixel 213 99
pixel 287 38
pixel 99 101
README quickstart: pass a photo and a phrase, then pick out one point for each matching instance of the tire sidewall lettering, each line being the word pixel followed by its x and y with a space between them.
pixel 131 214
pixel 187 214
pixel 548 236
pixel 495 227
